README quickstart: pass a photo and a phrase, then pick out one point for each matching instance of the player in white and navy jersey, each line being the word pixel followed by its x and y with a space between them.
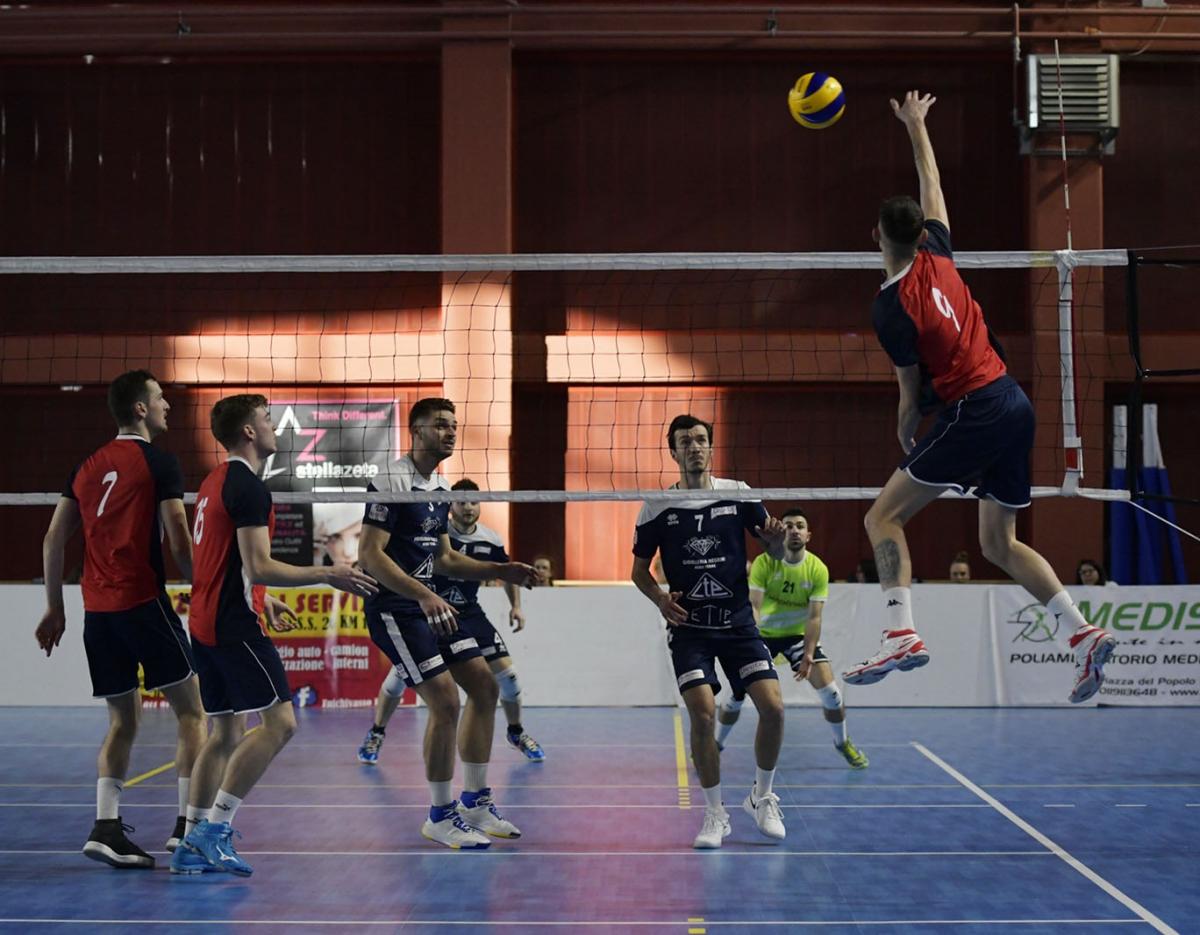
pixel 403 544
pixel 471 538
pixel 702 542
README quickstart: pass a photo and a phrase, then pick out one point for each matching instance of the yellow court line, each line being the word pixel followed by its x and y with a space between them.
pixel 681 774
pixel 150 775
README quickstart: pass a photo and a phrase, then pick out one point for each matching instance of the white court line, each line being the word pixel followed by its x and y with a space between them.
pixel 508 807
pixel 1078 866
pixel 513 785
pixel 574 923
pixel 417 745
pixel 1127 805
pixel 1058 805
pixel 506 852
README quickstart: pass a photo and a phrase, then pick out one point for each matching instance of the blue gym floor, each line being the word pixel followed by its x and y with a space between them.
pixel 975 821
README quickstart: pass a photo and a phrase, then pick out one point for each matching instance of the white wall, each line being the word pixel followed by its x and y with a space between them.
pixel 606 646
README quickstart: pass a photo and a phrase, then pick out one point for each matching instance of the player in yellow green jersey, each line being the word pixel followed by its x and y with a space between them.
pixel 788 596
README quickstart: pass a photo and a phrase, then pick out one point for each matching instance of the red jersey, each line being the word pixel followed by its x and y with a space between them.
pixel 925 315
pixel 118 489
pixel 226 607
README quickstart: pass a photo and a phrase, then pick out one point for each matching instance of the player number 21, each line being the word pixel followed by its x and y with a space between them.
pixel 110 481
pixel 944 306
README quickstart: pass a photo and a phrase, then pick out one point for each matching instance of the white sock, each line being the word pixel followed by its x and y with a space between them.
pixel 474 776
pixel 762 781
pixel 194 815
pixel 225 807
pixel 1064 608
pixel 439 792
pixel 839 732
pixel 108 798
pixel 712 796
pixel 185 783
pixel 899 608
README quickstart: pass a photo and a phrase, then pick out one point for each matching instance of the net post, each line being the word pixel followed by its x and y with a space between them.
pixel 1065 262
pixel 1133 445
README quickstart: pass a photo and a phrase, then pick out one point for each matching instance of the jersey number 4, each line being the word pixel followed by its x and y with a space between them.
pixel 944 306
pixel 110 481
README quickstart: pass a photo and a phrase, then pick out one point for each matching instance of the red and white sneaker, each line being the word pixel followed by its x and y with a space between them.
pixel 1092 647
pixel 901 649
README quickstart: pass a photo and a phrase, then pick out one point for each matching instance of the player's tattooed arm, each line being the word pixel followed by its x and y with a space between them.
pixel 887 563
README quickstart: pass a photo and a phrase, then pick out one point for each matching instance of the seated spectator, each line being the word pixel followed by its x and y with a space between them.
pixel 1091 572
pixel 960 569
pixel 544 566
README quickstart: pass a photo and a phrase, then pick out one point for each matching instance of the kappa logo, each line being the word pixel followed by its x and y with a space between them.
pixel 709 588
pixel 430 523
pixel 702 545
pixel 893 603
pixel 424 571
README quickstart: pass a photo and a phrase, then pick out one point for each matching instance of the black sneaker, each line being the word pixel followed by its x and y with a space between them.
pixel 108 844
pixel 177 835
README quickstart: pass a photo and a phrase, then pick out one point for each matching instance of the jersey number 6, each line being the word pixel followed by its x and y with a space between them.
pixel 944 306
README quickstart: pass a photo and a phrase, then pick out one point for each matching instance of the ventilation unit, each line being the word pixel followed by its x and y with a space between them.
pixel 1089 100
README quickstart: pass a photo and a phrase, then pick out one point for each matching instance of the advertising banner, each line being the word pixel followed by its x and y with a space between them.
pixel 1157 661
pixel 330 659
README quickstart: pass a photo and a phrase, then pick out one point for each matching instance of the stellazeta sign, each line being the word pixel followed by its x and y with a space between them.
pixel 1142 615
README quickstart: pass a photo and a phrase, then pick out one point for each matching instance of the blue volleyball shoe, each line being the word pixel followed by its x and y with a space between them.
pixel 213 840
pixel 369 751
pixel 526 745
pixel 187 861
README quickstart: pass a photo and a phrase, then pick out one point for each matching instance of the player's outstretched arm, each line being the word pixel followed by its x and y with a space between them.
pixel 911 112
pixel 254 544
pixel 63 524
pixel 666 602
pixel 453 563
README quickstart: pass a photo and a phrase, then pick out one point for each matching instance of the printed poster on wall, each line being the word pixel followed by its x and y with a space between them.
pixel 1157 661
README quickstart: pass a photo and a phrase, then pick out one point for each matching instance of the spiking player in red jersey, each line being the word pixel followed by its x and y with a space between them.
pixel 239 667
pixel 945 356
pixel 126 495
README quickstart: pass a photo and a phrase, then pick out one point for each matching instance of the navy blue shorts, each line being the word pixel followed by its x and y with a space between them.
pixel 116 642
pixel 979 445
pixel 790 647
pixel 414 649
pixel 694 654
pixel 474 622
pixel 240 678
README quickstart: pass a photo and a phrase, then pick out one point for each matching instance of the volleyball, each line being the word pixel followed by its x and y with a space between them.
pixel 817 100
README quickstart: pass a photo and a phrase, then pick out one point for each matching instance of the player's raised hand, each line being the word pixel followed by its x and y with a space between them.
pixel 51 628
pixel 668 606
pixel 518 573
pixel 771 534
pixel 348 578
pixel 916 105
pixel 279 616
pixel 516 620
pixel 440 615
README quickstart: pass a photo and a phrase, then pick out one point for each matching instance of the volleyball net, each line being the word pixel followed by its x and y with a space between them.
pixel 565 369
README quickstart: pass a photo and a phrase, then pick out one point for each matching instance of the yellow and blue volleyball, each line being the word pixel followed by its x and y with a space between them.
pixel 817 100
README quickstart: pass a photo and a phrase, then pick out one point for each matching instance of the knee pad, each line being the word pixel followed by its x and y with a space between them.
pixel 510 688
pixel 831 698
pixel 732 705
pixel 394 683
